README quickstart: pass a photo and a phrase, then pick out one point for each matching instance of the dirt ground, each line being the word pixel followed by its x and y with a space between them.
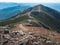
pixel 39 30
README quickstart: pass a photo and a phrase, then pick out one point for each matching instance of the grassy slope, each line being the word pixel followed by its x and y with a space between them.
pixel 21 19
pixel 47 21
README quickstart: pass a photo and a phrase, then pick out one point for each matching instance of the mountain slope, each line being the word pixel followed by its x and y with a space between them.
pixel 43 15
pixel 48 17
pixel 11 9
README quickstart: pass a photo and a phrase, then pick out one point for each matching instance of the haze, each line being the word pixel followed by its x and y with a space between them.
pixel 32 1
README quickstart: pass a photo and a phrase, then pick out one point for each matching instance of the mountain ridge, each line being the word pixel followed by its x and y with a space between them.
pixel 43 15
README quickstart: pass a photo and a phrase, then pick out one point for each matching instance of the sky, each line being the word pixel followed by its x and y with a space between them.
pixel 32 1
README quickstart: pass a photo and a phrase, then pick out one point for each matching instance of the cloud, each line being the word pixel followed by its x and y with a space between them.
pixel 32 1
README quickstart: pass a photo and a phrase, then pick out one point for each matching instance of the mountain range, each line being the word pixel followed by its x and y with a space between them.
pixel 39 14
pixel 8 10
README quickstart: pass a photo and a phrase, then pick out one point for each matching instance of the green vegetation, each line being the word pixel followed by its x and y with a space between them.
pixel 46 20
pixel 11 25
pixel 21 19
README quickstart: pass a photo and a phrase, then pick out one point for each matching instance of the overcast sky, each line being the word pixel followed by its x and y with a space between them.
pixel 32 1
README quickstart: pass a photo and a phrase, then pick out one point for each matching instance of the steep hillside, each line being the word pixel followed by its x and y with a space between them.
pixel 47 17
